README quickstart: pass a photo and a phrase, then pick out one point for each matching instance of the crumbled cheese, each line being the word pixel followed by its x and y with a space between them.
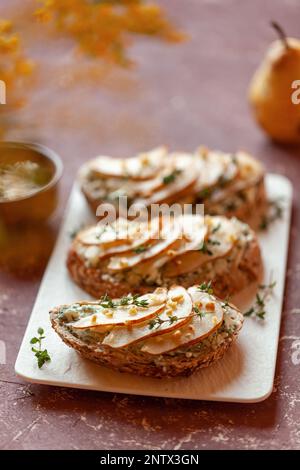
pixel 108 313
pixel 232 238
pixel 178 298
pixel 123 262
pixel 208 221
pixel 171 252
pixel 133 310
pixel 214 320
pixel 177 334
pixel 94 319
pixel 199 304
pixel 210 306
pixel 171 304
pixel 144 159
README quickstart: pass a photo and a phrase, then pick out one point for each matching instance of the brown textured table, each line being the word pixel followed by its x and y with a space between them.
pixel 181 95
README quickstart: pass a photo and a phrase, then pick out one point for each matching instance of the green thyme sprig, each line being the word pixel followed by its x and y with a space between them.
pixel 216 228
pixel 213 242
pixel 197 312
pixel 171 177
pixel 206 287
pixel 258 309
pixel 156 322
pixel 42 355
pixel 140 249
pixel 107 302
pixel 205 249
pixel 226 303
pixel 274 212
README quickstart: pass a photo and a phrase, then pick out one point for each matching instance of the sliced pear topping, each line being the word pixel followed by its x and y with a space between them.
pixel 140 167
pixel 179 176
pixel 201 325
pixel 214 166
pixel 171 168
pixel 175 314
pixel 192 232
pixel 120 231
pixel 221 234
pixel 119 239
pixel 123 315
pixel 155 248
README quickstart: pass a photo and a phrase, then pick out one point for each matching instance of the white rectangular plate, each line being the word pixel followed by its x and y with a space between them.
pixel 246 372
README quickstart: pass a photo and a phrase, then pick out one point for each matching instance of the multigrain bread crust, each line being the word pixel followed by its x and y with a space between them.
pixel 143 363
pixel 234 277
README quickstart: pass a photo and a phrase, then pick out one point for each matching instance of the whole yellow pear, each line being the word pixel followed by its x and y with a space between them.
pixel 271 90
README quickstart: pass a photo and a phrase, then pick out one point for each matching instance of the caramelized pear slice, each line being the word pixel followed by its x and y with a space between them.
pixel 175 314
pixel 220 237
pixel 215 166
pixel 192 232
pixel 123 315
pixel 122 239
pixel 168 237
pixel 180 175
pixel 141 167
pixel 202 324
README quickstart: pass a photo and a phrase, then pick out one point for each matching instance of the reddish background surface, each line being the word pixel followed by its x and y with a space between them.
pixel 182 95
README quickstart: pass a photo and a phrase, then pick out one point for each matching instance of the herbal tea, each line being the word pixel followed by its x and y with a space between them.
pixel 21 179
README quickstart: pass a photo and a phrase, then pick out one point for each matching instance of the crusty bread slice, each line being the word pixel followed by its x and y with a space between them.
pixel 132 360
pixel 230 277
pixel 230 185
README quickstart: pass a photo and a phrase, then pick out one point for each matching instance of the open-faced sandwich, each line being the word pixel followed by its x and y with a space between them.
pixel 129 256
pixel 228 184
pixel 164 333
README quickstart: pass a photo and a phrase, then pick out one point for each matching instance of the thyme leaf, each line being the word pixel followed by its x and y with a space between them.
pixel 258 309
pixel 140 249
pixel 216 228
pixel 274 212
pixel 171 177
pixel 205 250
pixel 107 302
pixel 42 355
pixel 206 287
pixel 205 193
pixel 213 242
pixel 158 321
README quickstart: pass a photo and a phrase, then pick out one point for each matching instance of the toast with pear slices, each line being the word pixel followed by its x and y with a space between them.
pixel 127 256
pixel 165 333
pixel 227 184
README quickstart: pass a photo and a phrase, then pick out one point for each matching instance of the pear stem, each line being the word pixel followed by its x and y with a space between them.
pixel 281 34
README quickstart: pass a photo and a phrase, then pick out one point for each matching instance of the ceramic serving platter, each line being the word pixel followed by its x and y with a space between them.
pixel 245 374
